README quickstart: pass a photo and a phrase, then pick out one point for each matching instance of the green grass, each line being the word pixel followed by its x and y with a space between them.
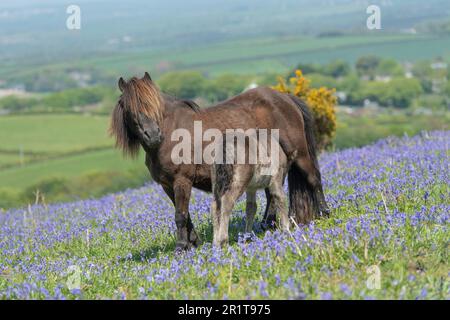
pixel 9 159
pixel 261 55
pixel 53 134
pixel 67 167
pixel 254 56
pixel 71 146
pixel 359 130
pixel 122 251
pixel 61 153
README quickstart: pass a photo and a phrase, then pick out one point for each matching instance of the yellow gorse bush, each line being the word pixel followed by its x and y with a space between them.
pixel 322 102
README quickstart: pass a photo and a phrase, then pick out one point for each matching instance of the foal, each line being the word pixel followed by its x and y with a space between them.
pixel 231 178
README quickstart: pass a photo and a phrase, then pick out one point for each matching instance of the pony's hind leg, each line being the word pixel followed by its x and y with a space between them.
pixel 314 180
pixel 269 218
pixel 227 199
pixel 250 209
pixel 215 217
pixel 279 204
pixel 215 203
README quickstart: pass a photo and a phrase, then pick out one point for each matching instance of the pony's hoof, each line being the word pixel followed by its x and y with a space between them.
pixel 182 246
pixel 269 224
pixel 194 239
pixel 196 242
pixel 325 212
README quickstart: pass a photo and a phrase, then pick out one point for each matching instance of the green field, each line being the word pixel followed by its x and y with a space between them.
pixel 7 159
pixel 53 134
pixel 259 55
pixel 359 130
pixel 64 145
pixel 386 238
pixel 108 160
pixel 76 148
pixel 66 155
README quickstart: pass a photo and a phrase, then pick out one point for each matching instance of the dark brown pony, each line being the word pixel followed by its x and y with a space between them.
pixel 145 117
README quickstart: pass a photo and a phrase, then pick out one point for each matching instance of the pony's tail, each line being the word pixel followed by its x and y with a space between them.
pixel 304 204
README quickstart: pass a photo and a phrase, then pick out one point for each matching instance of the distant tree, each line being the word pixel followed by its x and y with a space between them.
pixel 224 86
pixel 350 83
pixel 422 69
pixel 389 67
pixel 432 101
pixel 306 68
pixel 184 84
pixel 74 97
pixel 320 80
pixel 16 104
pixel 399 92
pixel 447 89
pixel 367 65
pixel 337 68
pixel 267 79
pixel 403 91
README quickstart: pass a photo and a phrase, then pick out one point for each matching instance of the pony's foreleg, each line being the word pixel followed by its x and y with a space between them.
pixel 186 235
pixel 215 217
pixel 269 218
pixel 226 206
pixel 250 210
pixel 279 204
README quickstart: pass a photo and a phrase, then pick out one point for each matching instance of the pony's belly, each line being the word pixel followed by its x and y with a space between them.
pixel 203 186
pixel 259 181
pixel 263 176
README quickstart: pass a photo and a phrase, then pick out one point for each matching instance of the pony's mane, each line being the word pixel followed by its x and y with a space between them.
pixel 139 96
pixel 192 105
pixel 144 97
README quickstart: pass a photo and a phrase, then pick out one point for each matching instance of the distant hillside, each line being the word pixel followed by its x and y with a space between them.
pixel 34 32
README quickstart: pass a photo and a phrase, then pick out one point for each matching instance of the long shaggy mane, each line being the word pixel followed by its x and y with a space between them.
pixel 139 96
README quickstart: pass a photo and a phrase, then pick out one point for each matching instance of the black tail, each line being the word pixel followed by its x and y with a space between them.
pixel 306 201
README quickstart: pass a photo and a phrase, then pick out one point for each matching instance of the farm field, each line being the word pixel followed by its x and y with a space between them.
pixel 260 55
pixel 107 160
pixel 387 238
pixel 64 157
pixel 359 130
pixel 53 134
pixel 64 145
pixel 71 146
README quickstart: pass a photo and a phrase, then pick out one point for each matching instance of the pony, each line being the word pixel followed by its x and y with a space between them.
pixel 230 178
pixel 144 117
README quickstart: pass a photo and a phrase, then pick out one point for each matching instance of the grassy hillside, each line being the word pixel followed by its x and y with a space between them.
pixel 68 167
pixel 53 134
pixel 35 32
pixel 63 156
pixel 387 238
pixel 257 55
pixel 359 130
pixel 61 152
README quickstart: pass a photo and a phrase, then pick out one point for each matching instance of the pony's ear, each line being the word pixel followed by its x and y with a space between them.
pixel 122 84
pixel 147 77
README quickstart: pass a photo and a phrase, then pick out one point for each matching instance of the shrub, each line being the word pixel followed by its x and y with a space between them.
pixel 322 102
